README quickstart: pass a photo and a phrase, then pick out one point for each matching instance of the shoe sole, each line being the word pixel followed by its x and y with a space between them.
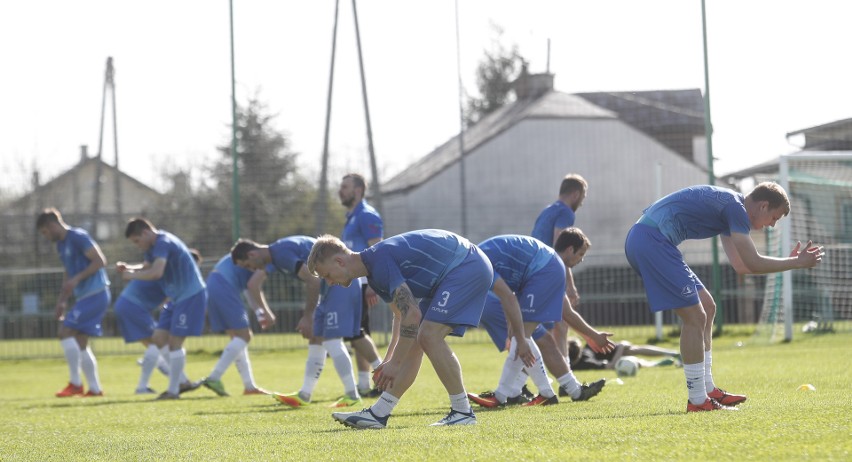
pixel 287 400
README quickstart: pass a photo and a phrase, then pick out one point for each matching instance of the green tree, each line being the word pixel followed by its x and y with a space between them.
pixel 496 72
pixel 274 198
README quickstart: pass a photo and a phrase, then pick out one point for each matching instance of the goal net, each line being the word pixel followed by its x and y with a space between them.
pixel 819 299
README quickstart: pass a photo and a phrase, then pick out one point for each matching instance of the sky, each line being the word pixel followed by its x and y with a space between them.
pixel 775 66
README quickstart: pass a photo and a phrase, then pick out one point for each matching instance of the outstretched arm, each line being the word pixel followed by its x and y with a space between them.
pixel 598 341
pixel 312 291
pixel 254 293
pixel 512 310
pixel 404 307
pixel 746 259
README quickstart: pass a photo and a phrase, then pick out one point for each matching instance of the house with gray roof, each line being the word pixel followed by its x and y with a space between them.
pixel 631 147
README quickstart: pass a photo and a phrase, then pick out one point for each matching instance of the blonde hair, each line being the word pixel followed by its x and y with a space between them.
pixel 324 248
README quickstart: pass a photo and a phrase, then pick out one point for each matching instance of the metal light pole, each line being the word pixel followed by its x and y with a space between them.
pixel 235 230
pixel 708 129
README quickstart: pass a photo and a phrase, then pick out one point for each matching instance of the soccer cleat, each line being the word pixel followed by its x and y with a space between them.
pixel 92 394
pixel 290 399
pixel 526 393
pixel 456 418
pixel 361 419
pixel 374 393
pixel 485 399
pixel 588 390
pixel 166 396
pixel 726 399
pixel 256 391
pixel 215 385
pixel 188 386
pixel 70 390
pixel 145 391
pixel 709 404
pixel 515 400
pixel 346 401
pixel 542 401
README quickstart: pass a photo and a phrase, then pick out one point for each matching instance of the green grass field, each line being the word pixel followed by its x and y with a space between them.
pixel 643 419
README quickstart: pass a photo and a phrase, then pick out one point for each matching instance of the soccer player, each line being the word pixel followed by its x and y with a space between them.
pixel 289 255
pixel 134 312
pixel 550 222
pixel 583 357
pixel 169 261
pixel 226 313
pixel 531 270
pixel 85 278
pixel 363 228
pixel 449 275
pixel 701 212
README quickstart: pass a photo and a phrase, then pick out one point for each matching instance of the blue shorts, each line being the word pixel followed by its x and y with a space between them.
pixel 339 313
pixel 494 322
pixel 459 298
pixel 540 297
pixel 87 313
pixel 184 318
pixel 669 282
pixel 134 321
pixel 225 308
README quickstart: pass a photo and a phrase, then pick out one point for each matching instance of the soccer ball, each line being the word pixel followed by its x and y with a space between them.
pixel 627 366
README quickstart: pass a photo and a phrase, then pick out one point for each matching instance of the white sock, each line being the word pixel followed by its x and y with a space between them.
pixel 149 362
pixel 460 402
pixel 229 354
pixel 163 362
pixel 519 382
pixel 708 375
pixel 695 382
pixel 342 364
pixel 90 369
pixel 177 361
pixel 537 373
pixel 72 357
pixel 384 406
pixel 511 367
pixel 570 384
pixel 364 381
pixel 313 369
pixel 243 365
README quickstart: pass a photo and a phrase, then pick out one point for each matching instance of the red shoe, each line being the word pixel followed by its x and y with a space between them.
pixel 542 401
pixel 725 398
pixel 709 404
pixel 486 399
pixel 90 394
pixel 70 390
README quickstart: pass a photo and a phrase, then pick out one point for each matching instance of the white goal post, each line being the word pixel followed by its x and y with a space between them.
pixel 820 187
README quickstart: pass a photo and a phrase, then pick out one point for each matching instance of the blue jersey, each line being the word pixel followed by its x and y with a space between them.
pixel 147 294
pixel 181 277
pixel 555 215
pixel 699 212
pixel 237 276
pixel 362 225
pixel 420 259
pixel 289 253
pixel 516 258
pixel 72 251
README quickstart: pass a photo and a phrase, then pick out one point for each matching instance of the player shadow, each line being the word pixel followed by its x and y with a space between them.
pixel 89 402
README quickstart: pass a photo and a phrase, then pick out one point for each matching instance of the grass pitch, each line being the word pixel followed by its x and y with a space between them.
pixel 641 419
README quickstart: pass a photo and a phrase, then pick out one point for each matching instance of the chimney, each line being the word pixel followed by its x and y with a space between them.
pixel 532 85
pixel 84 153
